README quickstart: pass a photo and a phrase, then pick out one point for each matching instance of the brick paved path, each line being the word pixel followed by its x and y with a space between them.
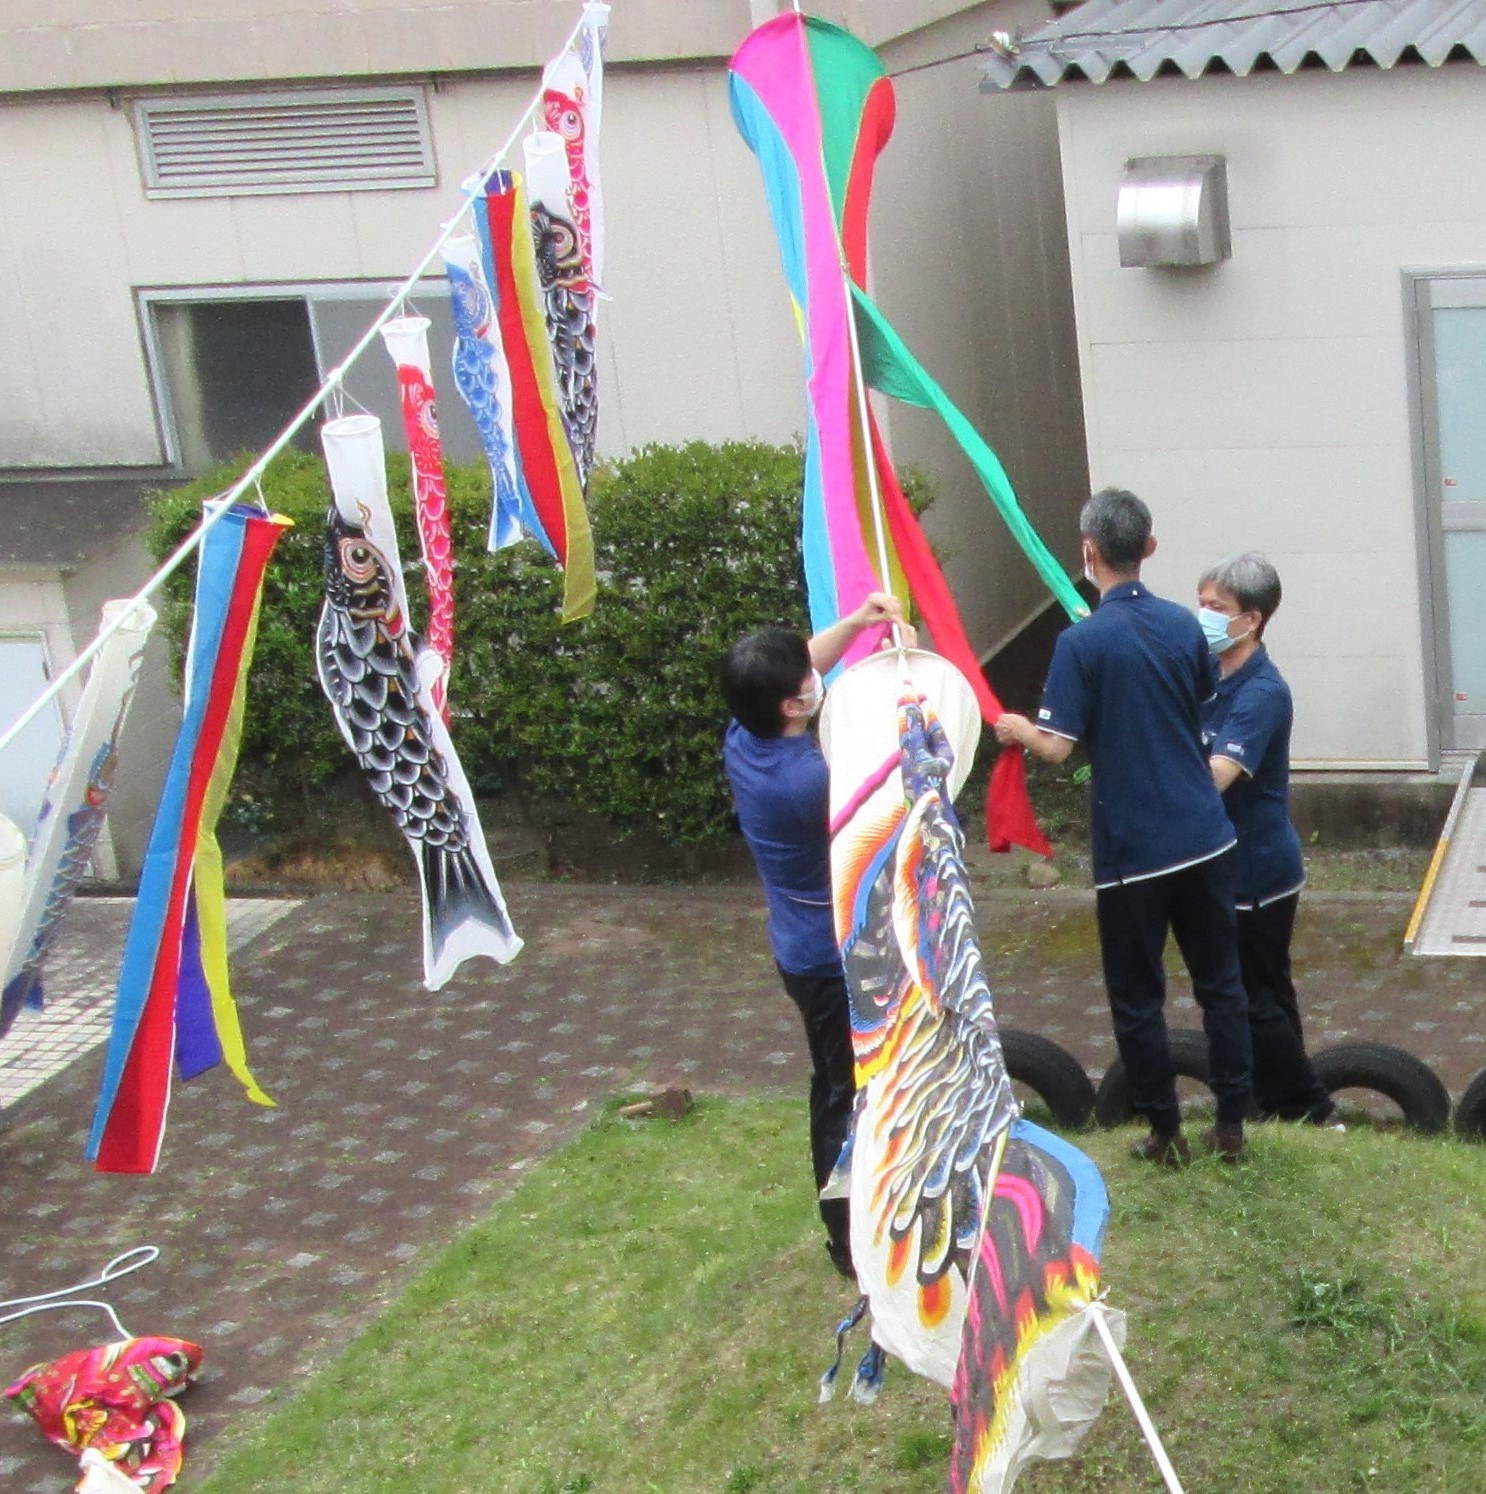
pixel 403 1114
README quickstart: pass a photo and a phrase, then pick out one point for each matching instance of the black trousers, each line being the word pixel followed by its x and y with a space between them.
pixel 826 1012
pixel 1196 906
pixel 1285 1084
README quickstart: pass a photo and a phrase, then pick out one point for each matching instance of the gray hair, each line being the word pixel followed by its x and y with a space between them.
pixel 1250 580
pixel 1119 525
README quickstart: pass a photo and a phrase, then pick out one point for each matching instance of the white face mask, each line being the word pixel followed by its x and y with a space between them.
pixel 1215 630
pixel 815 694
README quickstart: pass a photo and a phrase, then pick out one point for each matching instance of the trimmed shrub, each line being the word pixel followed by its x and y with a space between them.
pixel 619 714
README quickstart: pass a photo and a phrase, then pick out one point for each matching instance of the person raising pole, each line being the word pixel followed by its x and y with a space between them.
pixel 1128 681
pixel 771 681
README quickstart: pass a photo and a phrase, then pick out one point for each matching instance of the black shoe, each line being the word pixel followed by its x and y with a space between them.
pixel 1164 1151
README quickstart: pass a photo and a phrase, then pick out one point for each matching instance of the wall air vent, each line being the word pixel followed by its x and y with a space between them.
pixel 323 140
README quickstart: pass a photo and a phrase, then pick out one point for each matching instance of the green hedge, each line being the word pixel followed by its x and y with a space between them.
pixel 618 714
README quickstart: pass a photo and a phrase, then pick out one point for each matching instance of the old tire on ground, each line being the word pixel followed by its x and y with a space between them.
pixel 1470 1113
pixel 1052 1073
pixel 1409 1082
pixel 1115 1105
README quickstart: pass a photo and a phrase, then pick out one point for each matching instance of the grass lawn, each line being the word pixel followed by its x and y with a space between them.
pixel 651 1308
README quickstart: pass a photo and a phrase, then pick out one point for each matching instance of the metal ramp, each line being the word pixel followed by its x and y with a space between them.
pixel 1449 917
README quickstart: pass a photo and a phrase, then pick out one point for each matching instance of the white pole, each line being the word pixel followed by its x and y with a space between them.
pixel 473 187
pixel 1142 1417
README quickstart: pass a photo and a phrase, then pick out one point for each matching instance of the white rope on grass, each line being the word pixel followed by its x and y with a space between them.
pixel 473 186
pixel 120 1265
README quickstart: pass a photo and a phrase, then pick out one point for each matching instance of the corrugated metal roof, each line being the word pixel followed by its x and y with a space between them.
pixel 1104 39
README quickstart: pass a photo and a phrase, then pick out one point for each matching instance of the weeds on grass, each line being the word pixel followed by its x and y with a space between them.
pixel 1412 1363
pixel 1343 1305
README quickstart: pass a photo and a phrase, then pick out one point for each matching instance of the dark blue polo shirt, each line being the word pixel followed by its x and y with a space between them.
pixel 1128 682
pixel 780 790
pixel 1248 721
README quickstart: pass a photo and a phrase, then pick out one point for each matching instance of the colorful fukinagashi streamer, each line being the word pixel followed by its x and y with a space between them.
pixel 174 998
pixel 816 106
pixel 406 338
pixel 975 1235
pixel 378 677
pixel 547 461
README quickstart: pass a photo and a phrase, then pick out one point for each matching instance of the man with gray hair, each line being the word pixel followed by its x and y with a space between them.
pixel 1128 682
pixel 1246 729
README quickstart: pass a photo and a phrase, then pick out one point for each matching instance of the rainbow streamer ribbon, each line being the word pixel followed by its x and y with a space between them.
pixel 816 107
pixel 174 998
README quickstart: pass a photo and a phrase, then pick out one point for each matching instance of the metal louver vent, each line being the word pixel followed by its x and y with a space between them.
pixel 334 140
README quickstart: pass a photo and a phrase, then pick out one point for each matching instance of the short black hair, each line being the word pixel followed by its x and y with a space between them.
pixel 761 671
pixel 1119 524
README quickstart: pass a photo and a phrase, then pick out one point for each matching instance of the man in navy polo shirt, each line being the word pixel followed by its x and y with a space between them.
pixel 1246 728
pixel 1128 681
pixel 771 681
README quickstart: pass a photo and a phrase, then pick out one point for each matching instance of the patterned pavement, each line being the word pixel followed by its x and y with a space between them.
pixel 80 982
pixel 403 1114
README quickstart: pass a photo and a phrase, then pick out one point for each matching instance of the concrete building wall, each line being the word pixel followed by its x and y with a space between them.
pixel 1264 403
pixel 132 43
pixel 38 644
pixel 694 338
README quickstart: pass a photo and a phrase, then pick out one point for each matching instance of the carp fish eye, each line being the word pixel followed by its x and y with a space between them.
pixel 358 559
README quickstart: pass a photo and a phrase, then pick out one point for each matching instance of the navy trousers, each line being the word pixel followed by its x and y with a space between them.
pixel 826 1012
pixel 1285 1084
pixel 1196 906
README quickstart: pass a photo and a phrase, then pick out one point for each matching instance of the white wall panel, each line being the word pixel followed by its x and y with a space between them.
pixel 1264 402
pixel 1194 396
pixel 82 397
pixel 121 43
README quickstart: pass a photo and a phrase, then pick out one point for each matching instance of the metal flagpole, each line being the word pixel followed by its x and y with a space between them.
pixel 218 507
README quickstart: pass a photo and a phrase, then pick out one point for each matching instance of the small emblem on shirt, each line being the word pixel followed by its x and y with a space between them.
pixel 1044 715
pixel 1233 747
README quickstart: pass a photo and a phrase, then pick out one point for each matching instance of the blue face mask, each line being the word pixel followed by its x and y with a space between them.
pixel 1215 630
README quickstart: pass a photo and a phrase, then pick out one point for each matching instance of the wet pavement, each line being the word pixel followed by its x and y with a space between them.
pixel 403 1114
